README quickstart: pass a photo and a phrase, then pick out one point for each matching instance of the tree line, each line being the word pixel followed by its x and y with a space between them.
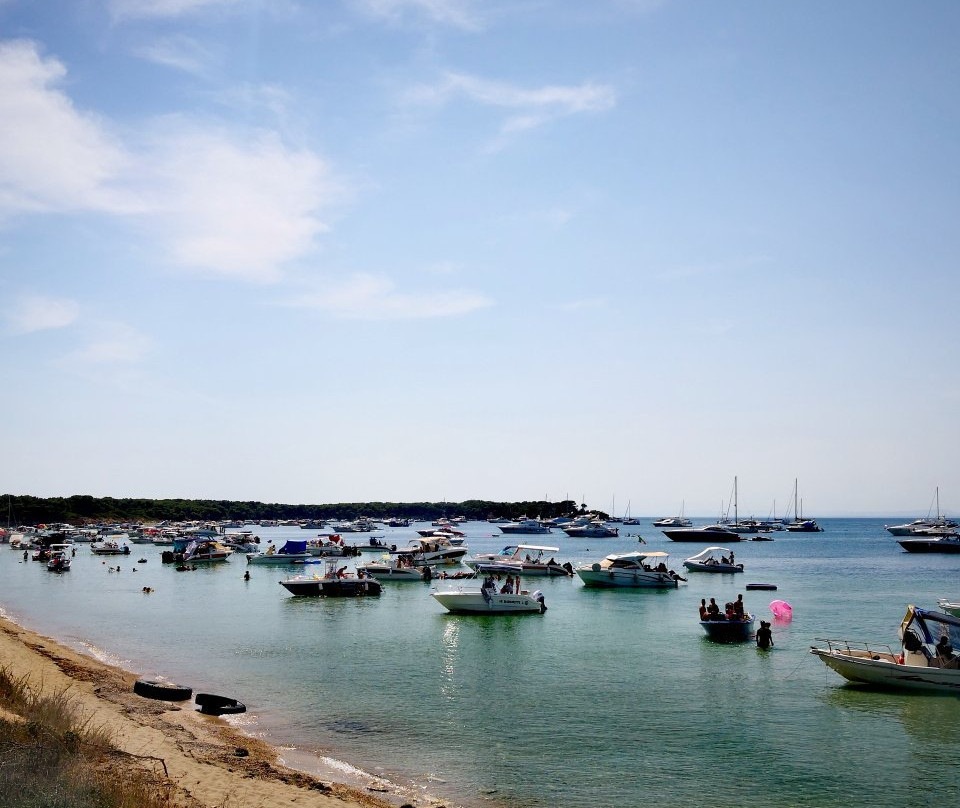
pixel 84 509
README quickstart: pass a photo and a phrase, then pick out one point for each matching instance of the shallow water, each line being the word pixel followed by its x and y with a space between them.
pixel 610 698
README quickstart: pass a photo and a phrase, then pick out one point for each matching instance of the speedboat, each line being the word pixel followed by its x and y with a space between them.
pixel 713 559
pixel 706 533
pixel 334 583
pixel 949 606
pixel 723 630
pixel 58 561
pixel 934 543
pixel 636 569
pixel 526 559
pixel 529 526
pixel 399 568
pixel 205 550
pixel 486 600
pixel 592 530
pixel 925 661
pixel 673 521
pixel 109 548
pixel 432 550
pixel 292 552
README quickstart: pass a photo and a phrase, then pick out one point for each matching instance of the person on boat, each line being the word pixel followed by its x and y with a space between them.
pixel 729 612
pixel 507 588
pixel 764 635
pixel 713 610
pixel 271 549
pixel 704 614
pixel 731 557
pixel 738 607
pixel 724 560
pixel 944 651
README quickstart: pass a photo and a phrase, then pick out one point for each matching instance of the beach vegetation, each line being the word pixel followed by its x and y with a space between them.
pixel 51 756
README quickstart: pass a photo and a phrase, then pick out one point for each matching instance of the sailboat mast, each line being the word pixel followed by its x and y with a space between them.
pixel 736 519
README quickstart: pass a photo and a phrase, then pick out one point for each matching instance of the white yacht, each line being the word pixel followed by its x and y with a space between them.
pixel 525 559
pixel 636 569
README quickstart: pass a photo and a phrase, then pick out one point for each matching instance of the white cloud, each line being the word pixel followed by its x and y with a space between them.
pixel 52 156
pixel 535 106
pixel 370 297
pixel 179 52
pixel 461 14
pixel 235 207
pixel 138 9
pixel 112 343
pixel 38 313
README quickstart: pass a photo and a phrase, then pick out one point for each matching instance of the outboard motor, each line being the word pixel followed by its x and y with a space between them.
pixel 538 597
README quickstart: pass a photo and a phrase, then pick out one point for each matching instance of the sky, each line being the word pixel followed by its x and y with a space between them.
pixel 432 250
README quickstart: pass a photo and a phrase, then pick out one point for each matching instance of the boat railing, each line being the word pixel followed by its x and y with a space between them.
pixel 856 647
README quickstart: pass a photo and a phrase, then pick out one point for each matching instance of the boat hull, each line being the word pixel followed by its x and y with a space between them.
pixel 474 602
pixel 728 630
pixel 947 545
pixel 695 534
pixel 278 558
pixel 696 566
pixel 882 670
pixel 632 579
pixel 332 587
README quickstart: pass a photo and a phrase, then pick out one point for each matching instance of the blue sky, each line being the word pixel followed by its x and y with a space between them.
pixel 444 249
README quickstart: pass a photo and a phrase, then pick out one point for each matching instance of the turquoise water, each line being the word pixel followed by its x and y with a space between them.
pixel 610 698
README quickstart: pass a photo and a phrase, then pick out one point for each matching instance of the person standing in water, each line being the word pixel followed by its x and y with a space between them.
pixel 764 635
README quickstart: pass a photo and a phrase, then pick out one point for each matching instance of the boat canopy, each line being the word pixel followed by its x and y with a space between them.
pixel 929 626
pixel 709 552
pixel 539 547
pixel 637 556
pixel 294 546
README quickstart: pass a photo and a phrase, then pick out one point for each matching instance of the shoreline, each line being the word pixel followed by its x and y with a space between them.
pixel 210 762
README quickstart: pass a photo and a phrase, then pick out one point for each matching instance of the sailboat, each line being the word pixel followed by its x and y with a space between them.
pixel 927 525
pixel 737 526
pixel 799 524
pixel 674 521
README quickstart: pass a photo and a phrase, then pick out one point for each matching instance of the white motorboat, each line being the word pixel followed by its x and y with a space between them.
pixel 636 569
pixel 924 525
pixel 526 559
pixel 399 568
pixel 926 660
pixel 292 552
pixel 432 550
pixel 206 550
pixel 949 606
pixel 487 600
pixel 529 526
pixel 592 530
pixel 58 561
pixel 713 559
pixel 109 548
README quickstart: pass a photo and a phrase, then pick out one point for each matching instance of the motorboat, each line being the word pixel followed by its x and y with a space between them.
pixel 398 568
pixel 330 545
pixel 935 543
pixel 375 545
pixel 703 534
pixel 799 524
pixel 925 660
pixel 592 530
pixel 432 550
pixel 487 600
pixel 109 548
pixel 724 630
pixel 526 559
pixel 713 559
pixel 58 561
pixel 528 526
pixel 923 525
pixel 673 521
pixel 949 606
pixel 333 583
pixel 204 550
pixel 636 569
pixel 292 552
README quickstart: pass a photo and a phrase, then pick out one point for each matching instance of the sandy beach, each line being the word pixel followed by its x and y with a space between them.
pixel 209 762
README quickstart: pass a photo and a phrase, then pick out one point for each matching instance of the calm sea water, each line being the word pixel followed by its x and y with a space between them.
pixel 611 698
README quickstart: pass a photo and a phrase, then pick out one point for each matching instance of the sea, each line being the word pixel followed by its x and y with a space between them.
pixel 609 698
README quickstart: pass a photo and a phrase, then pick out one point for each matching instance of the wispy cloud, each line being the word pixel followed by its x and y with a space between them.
pixel 150 9
pixel 38 313
pixel 235 205
pixel 365 296
pixel 53 157
pixel 462 14
pixel 179 52
pixel 582 304
pixel 111 343
pixel 533 107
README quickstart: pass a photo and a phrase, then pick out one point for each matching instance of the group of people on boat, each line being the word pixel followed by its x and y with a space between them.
pixel 733 610
pixel 510 587
pixel 723 560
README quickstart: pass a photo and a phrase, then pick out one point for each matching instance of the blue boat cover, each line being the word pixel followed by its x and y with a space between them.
pixel 294 546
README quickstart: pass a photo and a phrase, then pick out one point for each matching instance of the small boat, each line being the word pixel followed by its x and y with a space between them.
pixel 674 521
pixel 486 600
pixel 334 583
pixel 526 559
pixel 330 545
pixel 925 661
pixel 529 526
pixel 58 561
pixel 713 559
pixel 109 548
pixel 799 524
pixel 400 568
pixel 723 630
pixel 636 570
pixel 771 587
pixel 204 550
pixel 923 525
pixel 592 530
pixel 292 552
pixel 949 606
pixel 432 551
pixel 704 534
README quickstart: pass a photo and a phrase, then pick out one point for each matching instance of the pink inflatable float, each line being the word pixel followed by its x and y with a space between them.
pixel 781 610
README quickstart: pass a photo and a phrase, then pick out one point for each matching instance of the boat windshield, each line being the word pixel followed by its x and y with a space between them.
pixel 929 626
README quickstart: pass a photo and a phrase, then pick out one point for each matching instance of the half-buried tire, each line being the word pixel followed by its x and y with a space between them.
pixel 164 691
pixel 211 704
